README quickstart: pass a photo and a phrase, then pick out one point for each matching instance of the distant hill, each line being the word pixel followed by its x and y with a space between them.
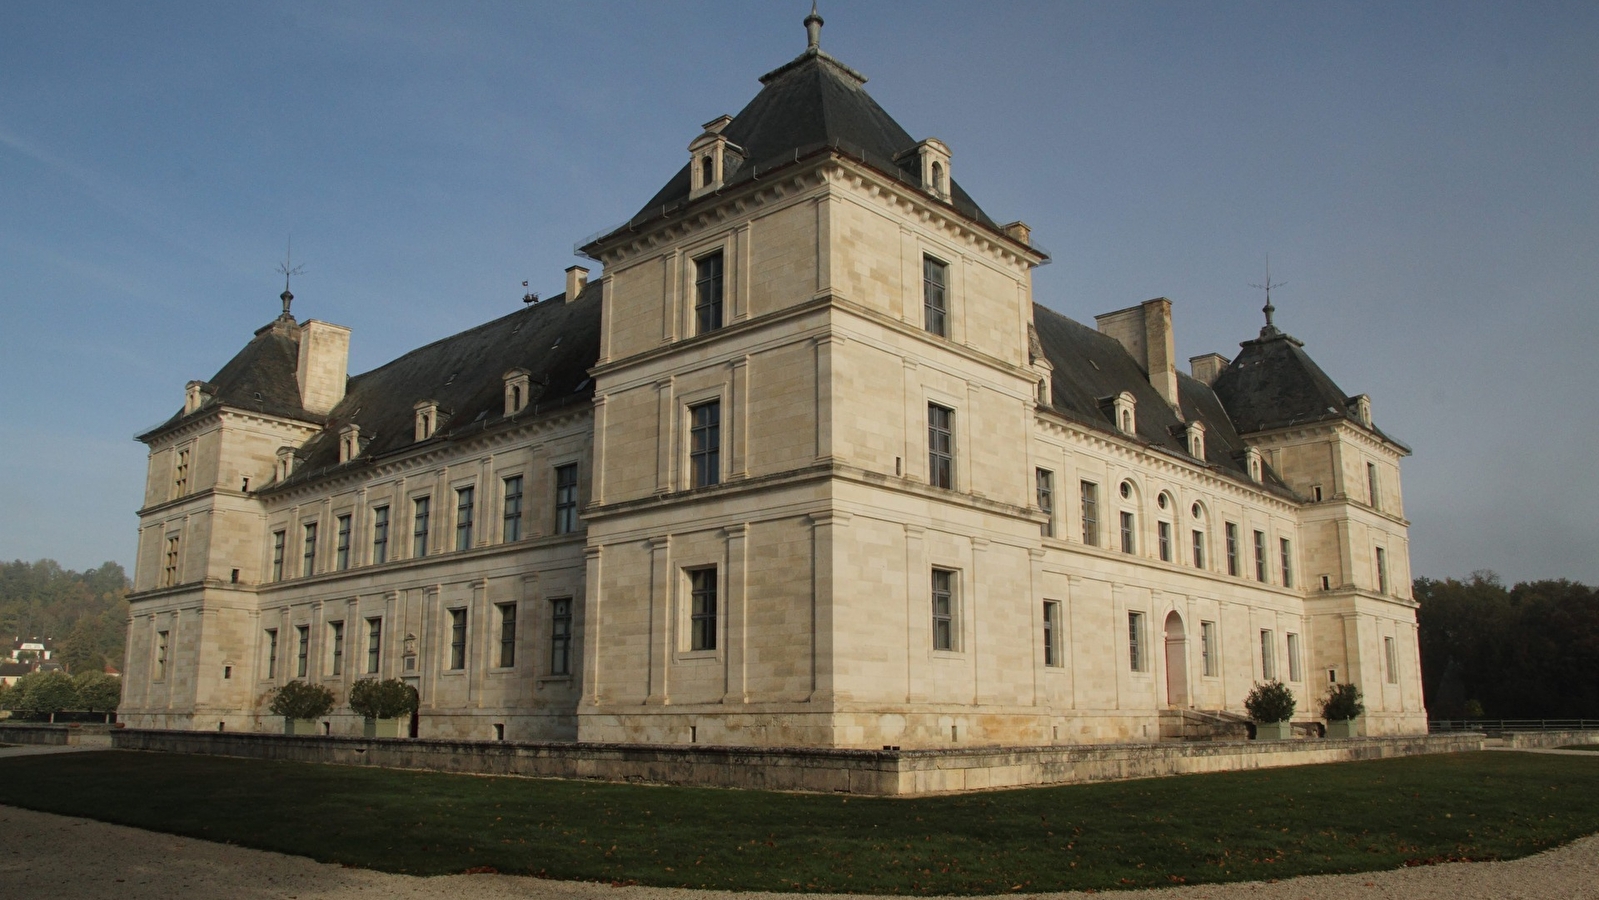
pixel 84 614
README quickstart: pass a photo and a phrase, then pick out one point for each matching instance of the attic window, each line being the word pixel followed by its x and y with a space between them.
pixel 938 179
pixel 349 442
pixel 427 419
pixel 1196 440
pixel 517 382
pixel 707 170
pixel 1253 464
pixel 1126 411
pixel 285 466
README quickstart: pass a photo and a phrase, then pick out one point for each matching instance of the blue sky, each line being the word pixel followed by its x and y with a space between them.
pixel 1423 176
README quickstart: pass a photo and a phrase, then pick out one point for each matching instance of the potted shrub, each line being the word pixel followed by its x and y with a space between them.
pixel 300 705
pixel 382 703
pixel 1271 705
pixel 1340 708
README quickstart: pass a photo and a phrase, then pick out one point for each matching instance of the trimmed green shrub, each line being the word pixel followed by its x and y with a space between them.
pixel 42 694
pixel 1270 701
pixel 98 692
pixel 390 698
pixel 298 700
pixel 1343 702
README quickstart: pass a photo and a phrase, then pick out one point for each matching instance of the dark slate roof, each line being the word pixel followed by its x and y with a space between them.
pixel 813 102
pixel 1090 367
pixel 1274 384
pixel 555 341
pixel 261 377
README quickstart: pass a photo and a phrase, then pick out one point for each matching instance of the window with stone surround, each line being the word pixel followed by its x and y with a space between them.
pixel 1052 634
pixel 279 542
pixel 1294 673
pixel 457 639
pixel 944 598
pixel 1382 571
pixel 1089 494
pixel 169 571
pixel 1137 655
pixel 561 636
pixel 1371 486
pixel 1390 660
pixel 419 526
pixel 1199 548
pixel 1287 551
pixel 705 444
pixel 1045 484
pixel 160 655
pixel 374 644
pixel 1129 532
pixel 708 292
pixel 1207 647
pixel 180 473
pixel 465 502
pixel 341 551
pixel 566 498
pixel 308 566
pixel 940 446
pixel 1260 556
pixel 1163 537
pixel 935 296
pixel 380 535
pixel 1232 548
pixel 702 608
pixel 272 653
pixel 336 638
pixel 513 510
pixel 302 656
pixel 1268 656
pixel 507 634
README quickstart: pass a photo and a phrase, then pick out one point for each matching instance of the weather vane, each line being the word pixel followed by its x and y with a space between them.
pixel 288 270
pixel 1268 309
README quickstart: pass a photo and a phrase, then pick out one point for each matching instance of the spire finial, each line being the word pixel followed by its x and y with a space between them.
pixel 813 29
pixel 289 270
pixel 1270 330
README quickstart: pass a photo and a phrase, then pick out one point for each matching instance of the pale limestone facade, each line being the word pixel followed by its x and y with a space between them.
pixel 856 601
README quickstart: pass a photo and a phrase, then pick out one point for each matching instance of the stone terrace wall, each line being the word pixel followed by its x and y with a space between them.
pixel 866 772
pixel 72 734
pixel 1528 740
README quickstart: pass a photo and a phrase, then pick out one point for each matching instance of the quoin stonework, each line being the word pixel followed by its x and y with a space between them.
pixel 807 466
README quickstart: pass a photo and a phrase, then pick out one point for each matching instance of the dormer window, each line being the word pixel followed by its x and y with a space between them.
pixel 711 158
pixel 517 396
pixel 708 170
pixel 1360 408
pixel 349 442
pixel 1253 464
pixel 194 396
pixel 1126 412
pixel 1196 440
pixel 427 418
pixel 931 163
pixel 285 466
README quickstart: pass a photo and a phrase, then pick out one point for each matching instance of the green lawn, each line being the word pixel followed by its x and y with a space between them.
pixel 1588 747
pixel 1198 828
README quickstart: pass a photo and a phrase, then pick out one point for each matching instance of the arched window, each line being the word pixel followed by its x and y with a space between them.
pixel 707 171
pixel 938 179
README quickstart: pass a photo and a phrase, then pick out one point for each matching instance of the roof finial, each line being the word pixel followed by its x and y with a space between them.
pixel 813 29
pixel 1269 330
pixel 289 270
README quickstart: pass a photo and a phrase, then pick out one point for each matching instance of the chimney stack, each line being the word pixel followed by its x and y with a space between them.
pixel 577 278
pixel 324 365
pixel 1146 331
pixel 1208 368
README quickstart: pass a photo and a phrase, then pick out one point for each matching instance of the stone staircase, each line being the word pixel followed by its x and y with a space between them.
pixel 1202 725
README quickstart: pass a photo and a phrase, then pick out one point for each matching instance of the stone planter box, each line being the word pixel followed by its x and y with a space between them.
pixel 1342 728
pixel 1273 731
pixel 301 726
pixel 381 728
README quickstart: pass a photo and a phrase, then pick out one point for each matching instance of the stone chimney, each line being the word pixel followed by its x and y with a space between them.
pixel 1019 232
pixel 577 278
pixel 1208 368
pixel 324 365
pixel 1145 330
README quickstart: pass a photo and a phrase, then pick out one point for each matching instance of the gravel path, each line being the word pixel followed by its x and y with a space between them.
pixel 47 856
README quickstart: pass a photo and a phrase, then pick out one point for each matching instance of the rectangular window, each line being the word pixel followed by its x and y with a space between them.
pixel 708 293
pixel 1199 549
pixel 272 653
pixel 1382 571
pixel 943 609
pixel 1129 545
pixel 380 535
pixel 303 653
pixel 566 498
pixel 1287 551
pixel 1232 549
pixel 1260 556
pixel 1090 499
pixel 702 612
pixel 465 500
pixel 935 303
pixel 1391 660
pixel 309 567
pixel 513 509
pixel 279 539
pixel 561 636
pixel 1294 674
pixel 160 655
pixel 940 446
pixel 169 573
pixel 1163 536
pixel 1371 486
pixel 374 645
pixel 1045 480
pixel 705 443
pixel 1135 641
pixel 1268 659
pixel 180 474
pixel 341 555
pixel 337 633
pixel 1207 647
pixel 419 526
pixel 457 639
pixel 507 635
pixel 1052 633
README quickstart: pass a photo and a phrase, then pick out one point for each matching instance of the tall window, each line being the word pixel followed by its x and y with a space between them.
pixel 566 498
pixel 935 303
pixel 1129 545
pixel 419 526
pixel 457 639
pixel 702 610
pixel 1163 536
pixel 341 553
pixel 561 636
pixel 279 539
pixel 1207 647
pixel 309 567
pixel 180 474
pixel 1052 633
pixel 374 644
pixel 1287 552
pixel 337 630
pixel 465 499
pixel 272 652
pixel 1232 549
pixel 940 446
pixel 1382 571
pixel 303 652
pixel 705 443
pixel 1136 656
pixel 1371 486
pixel 513 509
pixel 1294 673
pixel 1390 652
pixel 708 293
pixel 169 572
pixel 1046 500
pixel 1199 549
pixel 1260 556
pixel 943 609
pixel 160 655
pixel 507 635
pixel 1090 499
pixel 380 535
pixel 1268 658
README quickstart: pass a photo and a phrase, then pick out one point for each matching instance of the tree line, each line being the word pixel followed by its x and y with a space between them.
pixel 83 614
pixel 1530 651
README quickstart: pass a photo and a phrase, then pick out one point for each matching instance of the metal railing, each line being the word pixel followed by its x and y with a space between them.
pixel 1499 726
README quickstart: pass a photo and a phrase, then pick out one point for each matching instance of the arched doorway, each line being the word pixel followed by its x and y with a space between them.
pixel 1176 662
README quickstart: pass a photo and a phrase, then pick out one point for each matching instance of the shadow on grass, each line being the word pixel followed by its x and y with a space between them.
pixel 1200 828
